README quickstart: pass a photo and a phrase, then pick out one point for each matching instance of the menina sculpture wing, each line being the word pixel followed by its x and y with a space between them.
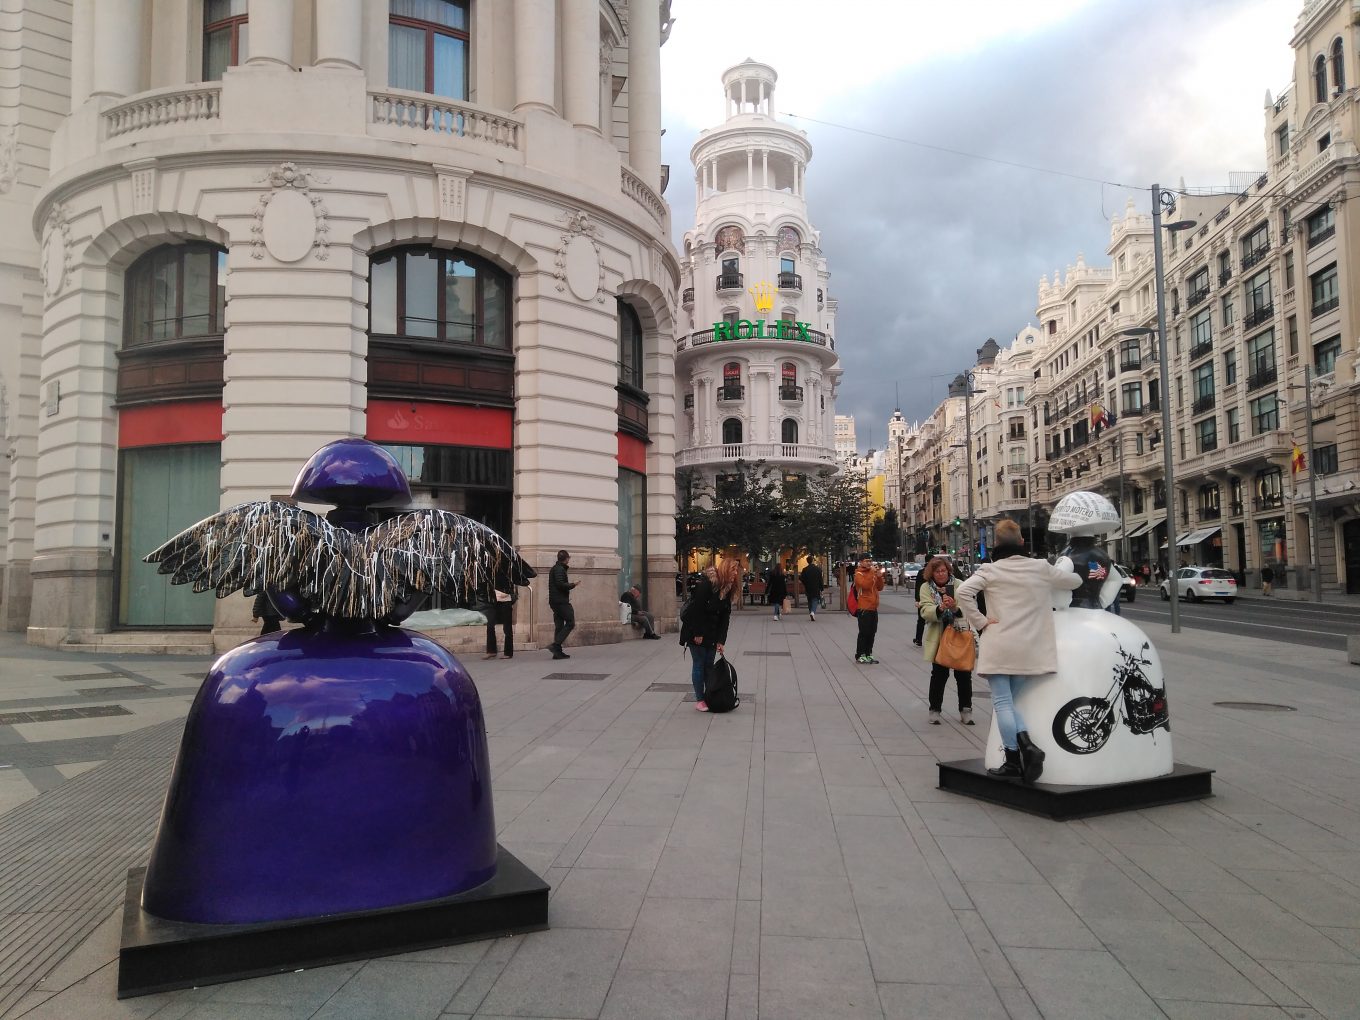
pixel 253 545
pixel 431 551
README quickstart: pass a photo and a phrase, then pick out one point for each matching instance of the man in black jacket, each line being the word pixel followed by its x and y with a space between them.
pixel 559 601
pixel 813 583
pixel 920 620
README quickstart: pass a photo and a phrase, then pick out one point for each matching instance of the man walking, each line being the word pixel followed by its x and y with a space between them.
pixel 813 582
pixel 559 601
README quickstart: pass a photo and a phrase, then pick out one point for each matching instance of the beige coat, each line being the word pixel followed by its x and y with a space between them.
pixel 1020 600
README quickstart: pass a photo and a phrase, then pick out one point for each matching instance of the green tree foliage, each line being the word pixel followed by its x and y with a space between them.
pixel 691 519
pixel 883 536
pixel 745 509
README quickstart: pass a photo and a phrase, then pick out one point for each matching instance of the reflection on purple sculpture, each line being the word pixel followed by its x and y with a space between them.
pixel 342 766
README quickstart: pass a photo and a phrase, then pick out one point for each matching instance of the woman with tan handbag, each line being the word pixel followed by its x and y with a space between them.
pixel 1016 637
pixel 948 642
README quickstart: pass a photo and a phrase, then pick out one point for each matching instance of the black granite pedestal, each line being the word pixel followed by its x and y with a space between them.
pixel 970 778
pixel 159 955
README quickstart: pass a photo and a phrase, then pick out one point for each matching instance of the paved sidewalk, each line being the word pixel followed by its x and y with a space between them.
pixel 792 859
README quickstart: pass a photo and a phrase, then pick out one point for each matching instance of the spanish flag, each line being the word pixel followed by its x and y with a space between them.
pixel 1298 462
pixel 1100 418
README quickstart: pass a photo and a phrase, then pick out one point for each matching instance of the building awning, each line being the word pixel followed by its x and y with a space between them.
pixel 1197 536
pixel 1146 526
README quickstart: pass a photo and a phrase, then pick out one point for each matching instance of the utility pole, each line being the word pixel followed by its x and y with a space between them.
pixel 1312 484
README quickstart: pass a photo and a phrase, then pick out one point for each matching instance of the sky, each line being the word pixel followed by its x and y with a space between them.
pixel 931 253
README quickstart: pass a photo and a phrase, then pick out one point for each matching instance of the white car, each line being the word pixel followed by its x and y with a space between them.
pixel 1195 583
pixel 1129 591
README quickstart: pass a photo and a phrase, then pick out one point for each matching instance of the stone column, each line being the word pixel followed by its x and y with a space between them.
pixel 339 34
pixel 271 33
pixel 119 57
pixel 607 88
pixel 644 92
pixel 535 54
pixel 581 60
pixel 82 51
pixel 750 169
pixel 765 167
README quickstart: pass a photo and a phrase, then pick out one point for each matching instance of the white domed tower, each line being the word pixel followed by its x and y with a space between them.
pixel 756 365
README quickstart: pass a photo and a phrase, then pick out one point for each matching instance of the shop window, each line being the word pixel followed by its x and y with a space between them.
pixel 226 32
pixel 427 47
pixel 632 531
pixel 444 296
pixel 175 292
pixel 161 491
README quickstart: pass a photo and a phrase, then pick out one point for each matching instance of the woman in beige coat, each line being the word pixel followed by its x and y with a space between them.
pixel 935 603
pixel 1016 639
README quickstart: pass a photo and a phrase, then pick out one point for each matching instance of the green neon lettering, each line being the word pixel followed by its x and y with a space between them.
pixel 745 329
pixel 759 333
pixel 722 331
pixel 781 329
pixel 803 332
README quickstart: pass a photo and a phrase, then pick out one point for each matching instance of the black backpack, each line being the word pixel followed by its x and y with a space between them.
pixel 720 686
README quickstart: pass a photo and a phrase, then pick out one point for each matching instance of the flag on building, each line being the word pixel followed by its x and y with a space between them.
pixel 1100 417
pixel 1298 462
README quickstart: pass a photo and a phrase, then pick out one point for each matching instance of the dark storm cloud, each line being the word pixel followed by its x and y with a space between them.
pixel 931 253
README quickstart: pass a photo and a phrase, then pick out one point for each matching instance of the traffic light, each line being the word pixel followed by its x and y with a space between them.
pixel 958 523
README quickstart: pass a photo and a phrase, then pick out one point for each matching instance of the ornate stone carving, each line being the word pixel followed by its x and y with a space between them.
pixel 290 220
pixel 56 251
pixel 579 259
pixel 9 157
pixel 143 185
pixel 451 184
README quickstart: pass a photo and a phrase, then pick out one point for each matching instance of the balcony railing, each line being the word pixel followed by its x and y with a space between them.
pixel 1224 276
pixel 1197 296
pixel 687 297
pixel 1202 404
pixel 1152 406
pixel 753 452
pixel 1264 377
pixel 1209 513
pixel 1132 364
pixel 794 393
pixel 1208 446
pixel 1261 314
pixel 167 106
pixel 1315 239
pixel 705 336
pixel 730 281
pixel 1323 307
pixel 421 112
pixel 1254 256
pixel 790 281
pixel 1201 349
pixel 640 192
pixel 731 392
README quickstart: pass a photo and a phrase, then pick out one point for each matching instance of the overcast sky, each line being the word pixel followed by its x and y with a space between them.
pixel 931 253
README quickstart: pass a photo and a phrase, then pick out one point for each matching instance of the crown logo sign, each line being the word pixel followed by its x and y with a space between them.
pixel 763 294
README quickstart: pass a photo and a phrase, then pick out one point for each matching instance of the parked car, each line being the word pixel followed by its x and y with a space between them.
pixel 1195 583
pixel 1130 589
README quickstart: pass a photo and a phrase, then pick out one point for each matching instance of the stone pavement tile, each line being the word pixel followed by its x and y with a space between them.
pixel 598 898
pixel 95 997
pixel 743 997
pixel 565 972
pixel 651 797
pixel 1129 828
pixel 814 906
pixel 691 873
pixel 1177 1010
pixel 666 995
pixel 1089 984
pixel 594 763
pixel 1180 868
pixel 1347 938
pixel 1297 833
pixel 1033 916
pixel 919 778
pixel 1263 930
pixel 300 988
pixel 257 1011
pixel 746 938
pixel 918 943
pixel 1105 892
pixel 1342 864
pixel 1170 961
pixel 680 758
pixel 682 935
pixel 557 812
pixel 1313 898
pixel 485 973
pixel 509 804
pixel 537 856
pixel 1332 989
pixel 983 858
pixel 389 988
pixel 1018 1002
pixel 537 768
pixel 847 766
pixel 861 800
pixel 957 818
pixel 469 953
pixel 940 1002
pixel 624 846
pixel 99 949
pixel 802 978
pixel 15 789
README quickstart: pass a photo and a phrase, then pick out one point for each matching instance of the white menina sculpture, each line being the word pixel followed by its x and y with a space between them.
pixel 1102 718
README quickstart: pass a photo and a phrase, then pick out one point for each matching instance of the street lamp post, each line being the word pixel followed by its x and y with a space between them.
pixel 1160 198
pixel 1123 539
pixel 965 381
pixel 1312 483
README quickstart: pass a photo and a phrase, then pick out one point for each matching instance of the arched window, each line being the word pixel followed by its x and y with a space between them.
pixel 440 295
pixel 732 373
pixel 1338 67
pixel 1320 79
pixel 427 46
pixel 226 33
pixel 175 292
pixel 630 346
pixel 788 432
pixel 789 239
pixel 731 431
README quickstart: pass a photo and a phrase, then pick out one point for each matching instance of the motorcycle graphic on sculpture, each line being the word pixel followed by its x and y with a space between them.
pixel 1103 717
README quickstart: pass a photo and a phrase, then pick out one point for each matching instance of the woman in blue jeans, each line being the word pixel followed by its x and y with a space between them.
pixel 1016 642
pixel 704 622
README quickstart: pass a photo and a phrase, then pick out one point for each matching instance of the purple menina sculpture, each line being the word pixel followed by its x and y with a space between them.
pixel 338 767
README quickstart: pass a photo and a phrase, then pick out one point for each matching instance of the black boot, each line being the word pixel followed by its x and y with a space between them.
pixel 1010 768
pixel 1031 757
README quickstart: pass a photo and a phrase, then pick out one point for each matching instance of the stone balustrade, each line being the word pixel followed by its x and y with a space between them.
pixel 164 107
pixel 436 115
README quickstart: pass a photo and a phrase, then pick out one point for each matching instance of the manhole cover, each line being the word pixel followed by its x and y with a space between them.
pixel 1255 706
pixel 672 688
pixel 577 676
pixel 784 654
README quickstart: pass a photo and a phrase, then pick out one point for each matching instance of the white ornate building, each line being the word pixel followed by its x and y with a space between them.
pixel 237 229
pixel 756 365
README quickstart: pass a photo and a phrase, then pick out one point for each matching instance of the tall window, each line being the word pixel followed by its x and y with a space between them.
pixel 175 292
pixel 1130 356
pixel 427 43
pixel 1206 435
pixel 1202 386
pixel 1338 67
pixel 1234 425
pixel 630 346
pixel 731 431
pixel 1201 334
pixel 1320 79
pixel 1230 366
pixel 1321 225
pixel 1325 293
pixel 1259 301
pixel 1132 397
pixel 1265 414
pixel 788 432
pixel 1261 353
pixel 226 32
pixel 441 295
pixel 1324 355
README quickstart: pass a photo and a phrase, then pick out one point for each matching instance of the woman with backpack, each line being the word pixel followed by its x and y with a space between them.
pixel 705 619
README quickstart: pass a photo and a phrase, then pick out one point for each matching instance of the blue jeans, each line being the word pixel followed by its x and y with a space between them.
pixel 778 608
pixel 814 604
pixel 702 657
pixel 1008 721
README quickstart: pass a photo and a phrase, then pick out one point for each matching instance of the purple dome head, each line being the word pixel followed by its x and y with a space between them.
pixel 352 473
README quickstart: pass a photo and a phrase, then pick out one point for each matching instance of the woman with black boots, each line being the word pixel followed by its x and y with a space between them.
pixel 1016 641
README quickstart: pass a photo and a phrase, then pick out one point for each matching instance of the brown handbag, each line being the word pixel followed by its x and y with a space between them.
pixel 957 650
